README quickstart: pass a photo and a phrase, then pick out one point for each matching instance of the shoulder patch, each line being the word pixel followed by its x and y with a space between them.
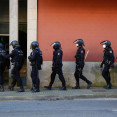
pixel 82 51
pixel 111 52
pixel 58 53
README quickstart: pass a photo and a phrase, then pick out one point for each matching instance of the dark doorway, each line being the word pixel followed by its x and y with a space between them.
pixel 23 35
pixel 5 41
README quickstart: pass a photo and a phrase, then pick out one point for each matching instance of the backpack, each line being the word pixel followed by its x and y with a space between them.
pixel 39 59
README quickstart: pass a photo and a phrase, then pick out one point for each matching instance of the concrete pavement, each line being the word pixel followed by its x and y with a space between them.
pixel 55 94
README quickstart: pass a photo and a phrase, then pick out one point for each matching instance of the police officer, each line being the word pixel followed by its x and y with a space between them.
pixel 108 61
pixel 3 64
pixel 17 60
pixel 57 66
pixel 36 60
pixel 80 56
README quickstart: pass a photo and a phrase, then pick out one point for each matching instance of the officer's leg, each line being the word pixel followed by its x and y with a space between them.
pixel 33 76
pixel 1 78
pixel 36 80
pixel 109 78
pixel 86 80
pixel 1 81
pixel 62 79
pixel 106 75
pixel 14 80
pixel 76 75
pixel 109 81
pixel 53 75
pixel 19 81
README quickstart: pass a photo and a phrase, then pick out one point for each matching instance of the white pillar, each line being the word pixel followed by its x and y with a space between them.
pixel 31 31
pixel 13 25
pixel 13 28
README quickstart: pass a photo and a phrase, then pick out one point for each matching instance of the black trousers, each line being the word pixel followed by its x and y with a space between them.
pixel 106 74
pixel 78 75
pixel 35 77
pixel 60 74
pixel 2 68
pixel 16 75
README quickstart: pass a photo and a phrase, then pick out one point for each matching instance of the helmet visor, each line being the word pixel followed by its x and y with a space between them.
pixel 103 42
pixel 76 41
pixel 53 44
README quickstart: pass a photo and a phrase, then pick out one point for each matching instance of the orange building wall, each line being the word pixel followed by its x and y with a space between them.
pixel 67 20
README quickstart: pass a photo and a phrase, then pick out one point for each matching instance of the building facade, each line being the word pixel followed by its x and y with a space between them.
pixel 47 21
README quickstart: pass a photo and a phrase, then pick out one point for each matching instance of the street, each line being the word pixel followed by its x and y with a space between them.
pixel 60 108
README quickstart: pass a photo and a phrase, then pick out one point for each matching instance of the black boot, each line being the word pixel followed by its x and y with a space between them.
pixel 77 86
pixel 47 87
pixel 1 88
pixel 21 89
pixel 11 88
pixel 63 88
pixel 36 89
pixel 89 85
pixel 108 86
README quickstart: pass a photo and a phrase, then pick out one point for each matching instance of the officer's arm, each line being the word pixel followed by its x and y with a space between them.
pixel 10 55
pixel 7 60
pixel 59 54
pixel 82 54
pixel 33 57
pixel 111 56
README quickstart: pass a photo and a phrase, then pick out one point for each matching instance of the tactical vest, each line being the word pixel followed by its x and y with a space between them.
pixel 19 57
pixel 2 53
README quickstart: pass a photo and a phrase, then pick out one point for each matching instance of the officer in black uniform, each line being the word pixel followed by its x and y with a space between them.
pixel 80 56
pixel 17 60
pixel 36 61
pixel 3 64
pixel 57 66
pixel 108 61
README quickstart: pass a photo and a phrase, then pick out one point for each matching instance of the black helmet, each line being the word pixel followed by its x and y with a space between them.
pixel 1 46
pixel 80 42
pixel 14 44
pixel 106 42
pixel 34 45
pixel 56 45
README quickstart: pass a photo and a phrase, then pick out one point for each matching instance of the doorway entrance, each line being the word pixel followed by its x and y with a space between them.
pixel 4 39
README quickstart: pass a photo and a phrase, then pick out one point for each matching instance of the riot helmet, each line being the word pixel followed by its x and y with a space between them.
pixel 56 45
pixel 1 46
pixel 79 42
pixel 34 45
pixel 14 44
pixel 106 43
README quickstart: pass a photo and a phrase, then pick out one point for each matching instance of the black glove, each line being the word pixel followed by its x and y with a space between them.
pixel 29 57
pixel 101 65
pixel 53 68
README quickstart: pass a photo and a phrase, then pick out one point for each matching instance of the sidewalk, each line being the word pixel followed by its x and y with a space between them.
pixel 55 94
